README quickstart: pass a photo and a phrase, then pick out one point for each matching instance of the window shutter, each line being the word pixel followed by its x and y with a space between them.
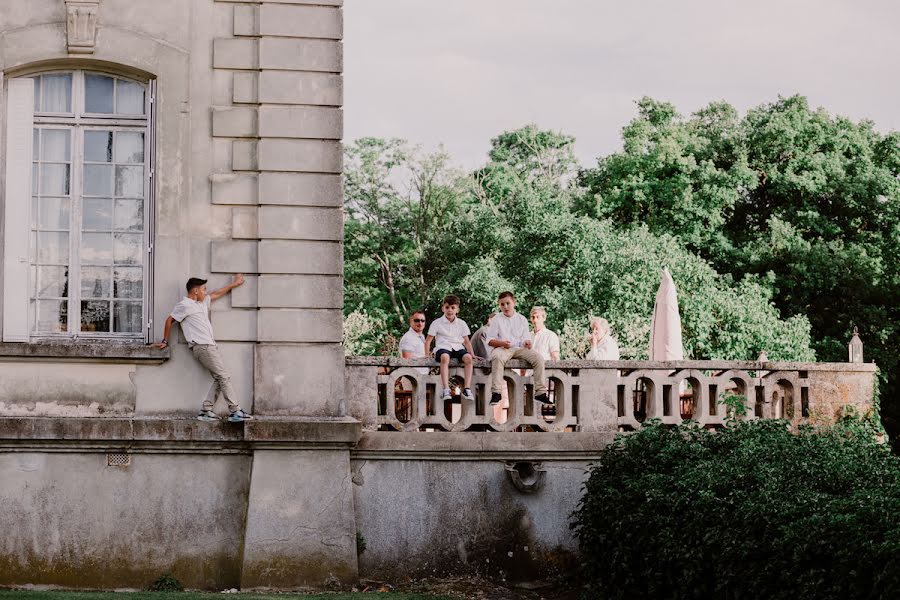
pixel 17 204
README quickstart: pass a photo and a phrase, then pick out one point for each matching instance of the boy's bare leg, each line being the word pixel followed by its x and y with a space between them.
pixel 467 370
pixel 445 370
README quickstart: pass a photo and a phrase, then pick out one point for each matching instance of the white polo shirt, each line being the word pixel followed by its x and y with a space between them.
pixel 512 329
pixel 447 335
pixel 415 343
pixel 607 349
pixel 194 319
pixel 545 342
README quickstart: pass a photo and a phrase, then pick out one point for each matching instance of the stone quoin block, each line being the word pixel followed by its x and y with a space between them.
pixel 300 325
pixel 236 325
pixel 244 222
pixel 234 122
pixel 300 291
pixel 294 87
pixel 235 53
pixel 318 156
pixel 300 257
pixel 234 188
pixel 300 55
pixel 234 257
pixel 246 20
pixel 299 379
pixel 244 155
pixel 244 88
pixel 301 122
pixel 307 189
pixel 300 21
pixel 244 296
pixel 301 223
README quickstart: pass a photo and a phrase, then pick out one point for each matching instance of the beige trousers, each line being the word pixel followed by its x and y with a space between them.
pixel 209 357
pixel 499 358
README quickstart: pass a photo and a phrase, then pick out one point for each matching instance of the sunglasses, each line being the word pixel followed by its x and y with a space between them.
pixel 418 320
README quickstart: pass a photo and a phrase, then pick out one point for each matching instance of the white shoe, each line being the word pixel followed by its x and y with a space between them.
pixel 468 395
pixel 446 395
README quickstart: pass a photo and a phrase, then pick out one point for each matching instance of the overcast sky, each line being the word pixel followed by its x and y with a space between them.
pixel 459 72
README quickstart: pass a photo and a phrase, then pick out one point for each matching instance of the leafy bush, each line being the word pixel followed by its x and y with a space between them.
pixel 752 511
pixel 362 335
pixel 166 583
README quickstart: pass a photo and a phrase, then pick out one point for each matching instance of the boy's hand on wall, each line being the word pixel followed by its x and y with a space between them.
pixel 238 280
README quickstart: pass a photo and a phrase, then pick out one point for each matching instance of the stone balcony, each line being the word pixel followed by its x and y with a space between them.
pixel 392 394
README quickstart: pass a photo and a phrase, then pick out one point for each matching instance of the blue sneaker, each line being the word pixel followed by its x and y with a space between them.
pixel 207 415
pixel 239 416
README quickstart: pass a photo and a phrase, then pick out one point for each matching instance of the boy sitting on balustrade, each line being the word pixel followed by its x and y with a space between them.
pixel 452 341
pixel 510 337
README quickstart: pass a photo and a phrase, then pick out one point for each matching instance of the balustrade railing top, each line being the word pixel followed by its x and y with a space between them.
pixel 394 394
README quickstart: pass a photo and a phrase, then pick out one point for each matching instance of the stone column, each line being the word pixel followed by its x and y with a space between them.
pixel 285 185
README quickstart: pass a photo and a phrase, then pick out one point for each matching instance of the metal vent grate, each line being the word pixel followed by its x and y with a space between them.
pixel 118 459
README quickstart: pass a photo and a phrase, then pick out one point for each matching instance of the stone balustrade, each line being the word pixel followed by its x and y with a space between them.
pixel 392 394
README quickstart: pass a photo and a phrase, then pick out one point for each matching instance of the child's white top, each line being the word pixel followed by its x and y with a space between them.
pixel 607 349
pixel 194 319
pixel 545 342
pixel 512 329
pixel 448 335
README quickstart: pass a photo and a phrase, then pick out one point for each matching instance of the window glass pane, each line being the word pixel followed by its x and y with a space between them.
pixel 56 93
pixel 95 315
pixel 98 145
pixel 55 144
pixel 127 248
pixel 127 317
pixel 52 247
pixel 96 213
pixel 54 179
pixel 95 282
pixel 98 94
pixel 129 147
pixel 129 98
pixel 51 316
pixel 129 215
pixel 35 144
pixel 98 180
pixel 96 248
pixel 128 282
pixel 130 182
pixel 52 282
pixel 53 213
pixel 37 93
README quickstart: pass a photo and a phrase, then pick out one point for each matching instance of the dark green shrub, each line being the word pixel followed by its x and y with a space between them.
pixel 166 583
pixel 752 511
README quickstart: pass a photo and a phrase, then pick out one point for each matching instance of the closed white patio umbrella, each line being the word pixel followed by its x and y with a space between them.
pixel 665 329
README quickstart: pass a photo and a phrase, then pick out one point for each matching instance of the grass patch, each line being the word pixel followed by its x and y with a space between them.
pixel 64 595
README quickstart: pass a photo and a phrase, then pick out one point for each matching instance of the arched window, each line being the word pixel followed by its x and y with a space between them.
pixel 89 207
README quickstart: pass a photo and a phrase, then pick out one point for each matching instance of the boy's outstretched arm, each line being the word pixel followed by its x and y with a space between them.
pixel 166 332
pixel 238 280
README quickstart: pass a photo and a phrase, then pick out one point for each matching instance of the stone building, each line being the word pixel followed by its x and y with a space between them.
pixel 146 141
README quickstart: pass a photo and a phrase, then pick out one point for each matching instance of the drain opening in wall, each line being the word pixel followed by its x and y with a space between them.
pixel 118 459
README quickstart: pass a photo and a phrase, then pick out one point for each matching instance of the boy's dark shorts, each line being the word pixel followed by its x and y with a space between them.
pixel 457 354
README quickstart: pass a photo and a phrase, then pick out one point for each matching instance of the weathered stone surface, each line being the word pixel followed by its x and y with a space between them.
pixel 235 53
pixel 299 325
pixel 300 21
pixel 300 257
pixel 234 325
pixel 234 122
pixel 301 529
pixel 301 122
pixel 300 291
pixel 244 223
pixel 295 87
pixel 300 55
pixel 306 189
pixel 318 156
pixel 234 257
pixel 301 223
pixel 299 430
pixel 244 88
pixel 156 495
pixel 246 20
pixel 245 296
pixel 299 379
pixel 244 155
pixel 84 351
pixel 234 188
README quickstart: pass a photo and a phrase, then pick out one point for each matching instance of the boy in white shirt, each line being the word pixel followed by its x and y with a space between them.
pixel 546 342
pixel 193 314
pixel 452 341
pixel 509 337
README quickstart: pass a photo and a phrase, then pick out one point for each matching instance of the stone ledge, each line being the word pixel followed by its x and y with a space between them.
pixel 489 445
pixel 631 365
pixel 105 351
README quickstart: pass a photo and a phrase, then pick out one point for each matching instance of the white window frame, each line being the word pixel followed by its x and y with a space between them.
pixel 77 122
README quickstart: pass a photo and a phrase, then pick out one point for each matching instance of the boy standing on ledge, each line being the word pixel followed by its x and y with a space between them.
pixel 192 312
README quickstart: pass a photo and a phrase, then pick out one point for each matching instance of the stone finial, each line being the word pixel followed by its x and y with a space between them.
pixel 855 347
pixel 81 25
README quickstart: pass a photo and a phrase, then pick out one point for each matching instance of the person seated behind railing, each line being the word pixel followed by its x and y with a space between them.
pixel 603 345
pixel 479 342
pixel 546 342
pixel 412 344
